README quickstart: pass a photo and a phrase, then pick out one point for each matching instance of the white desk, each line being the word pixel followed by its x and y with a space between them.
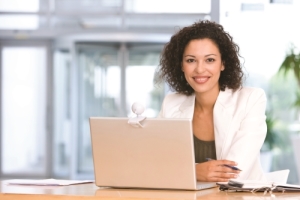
pixel 90 191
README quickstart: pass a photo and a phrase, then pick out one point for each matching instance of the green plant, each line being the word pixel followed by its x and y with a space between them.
pixel 272 138
pixel 292 63
pixel 297 102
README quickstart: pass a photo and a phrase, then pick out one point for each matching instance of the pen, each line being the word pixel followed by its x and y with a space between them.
pixel 232 167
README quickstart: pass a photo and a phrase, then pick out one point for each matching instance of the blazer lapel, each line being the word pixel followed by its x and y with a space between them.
pixel 187 107
pixel 222 120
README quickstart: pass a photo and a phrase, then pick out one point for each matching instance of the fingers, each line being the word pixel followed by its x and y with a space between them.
pixel 217 179
pixel 227 162
pixel 224 172
pixel 222 168
pixel 220 165
pixel 226 175
pixel 230 165
pixel 217 172
pixel 221 176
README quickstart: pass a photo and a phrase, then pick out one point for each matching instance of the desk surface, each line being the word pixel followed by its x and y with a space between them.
pixel 90 191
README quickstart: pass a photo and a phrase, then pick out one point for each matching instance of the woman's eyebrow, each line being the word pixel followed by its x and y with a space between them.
pixel 204 56
pixel 210 55
pixel 190 56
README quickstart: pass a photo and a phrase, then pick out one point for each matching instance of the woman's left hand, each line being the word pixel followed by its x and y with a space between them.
pixel 215 171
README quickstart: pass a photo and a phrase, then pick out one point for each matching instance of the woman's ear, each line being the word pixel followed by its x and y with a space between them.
pixel 222 68
pixel 181 67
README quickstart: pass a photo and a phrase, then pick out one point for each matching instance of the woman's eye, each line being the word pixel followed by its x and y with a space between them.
pixel 210 59
pixel 190 60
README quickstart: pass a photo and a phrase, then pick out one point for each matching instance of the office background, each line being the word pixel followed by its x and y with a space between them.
pixel 62 61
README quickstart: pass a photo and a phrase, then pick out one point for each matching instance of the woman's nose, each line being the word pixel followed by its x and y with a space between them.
pixel 200 67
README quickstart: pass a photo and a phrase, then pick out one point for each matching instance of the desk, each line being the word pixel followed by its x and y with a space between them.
pixel 90 191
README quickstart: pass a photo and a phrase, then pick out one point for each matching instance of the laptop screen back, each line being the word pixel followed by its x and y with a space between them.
pixel 159 155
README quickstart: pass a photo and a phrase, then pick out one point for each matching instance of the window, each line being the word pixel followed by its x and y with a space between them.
pixel 111 76
pixel 23 106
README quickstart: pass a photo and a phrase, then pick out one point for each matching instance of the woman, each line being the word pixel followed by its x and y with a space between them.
pixel 201 64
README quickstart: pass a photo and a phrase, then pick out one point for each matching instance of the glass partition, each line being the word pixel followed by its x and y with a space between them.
pixel 99 93
pixel 62 113
pixel 140 78
pixel 106 69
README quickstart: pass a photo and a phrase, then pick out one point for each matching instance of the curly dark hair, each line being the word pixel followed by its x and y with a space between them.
pixel 171 57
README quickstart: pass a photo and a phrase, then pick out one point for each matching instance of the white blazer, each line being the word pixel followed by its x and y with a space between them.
pixel 239 125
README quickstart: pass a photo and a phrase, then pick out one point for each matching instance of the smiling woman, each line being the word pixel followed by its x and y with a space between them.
pixel 201 64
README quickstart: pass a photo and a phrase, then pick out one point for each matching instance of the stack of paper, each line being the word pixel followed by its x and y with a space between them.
pixel 46 182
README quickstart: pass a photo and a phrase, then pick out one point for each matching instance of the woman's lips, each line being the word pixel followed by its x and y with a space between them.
pixel 201 79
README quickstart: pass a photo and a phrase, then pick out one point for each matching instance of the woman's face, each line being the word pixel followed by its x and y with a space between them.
pixel 202 65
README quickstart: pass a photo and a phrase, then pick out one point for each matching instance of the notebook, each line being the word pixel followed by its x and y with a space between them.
pixel 256 186
pixel 157 155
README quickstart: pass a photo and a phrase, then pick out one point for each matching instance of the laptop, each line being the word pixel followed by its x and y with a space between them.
pixel 157 155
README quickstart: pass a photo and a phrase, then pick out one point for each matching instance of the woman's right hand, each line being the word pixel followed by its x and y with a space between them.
pixel 215 171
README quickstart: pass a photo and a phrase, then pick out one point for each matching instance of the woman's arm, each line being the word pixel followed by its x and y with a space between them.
pixel 248 139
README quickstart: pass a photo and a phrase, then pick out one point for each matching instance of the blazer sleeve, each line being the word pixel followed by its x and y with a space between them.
pixel 249 138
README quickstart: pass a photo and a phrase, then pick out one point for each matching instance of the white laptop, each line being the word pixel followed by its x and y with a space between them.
pixel 159 155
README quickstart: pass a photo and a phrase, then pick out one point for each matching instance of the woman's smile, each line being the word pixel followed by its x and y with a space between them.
pixel 201 79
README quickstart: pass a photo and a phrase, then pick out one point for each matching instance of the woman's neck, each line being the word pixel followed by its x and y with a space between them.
pixel 205 102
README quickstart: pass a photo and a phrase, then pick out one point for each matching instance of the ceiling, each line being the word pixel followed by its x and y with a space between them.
pixel 62 18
